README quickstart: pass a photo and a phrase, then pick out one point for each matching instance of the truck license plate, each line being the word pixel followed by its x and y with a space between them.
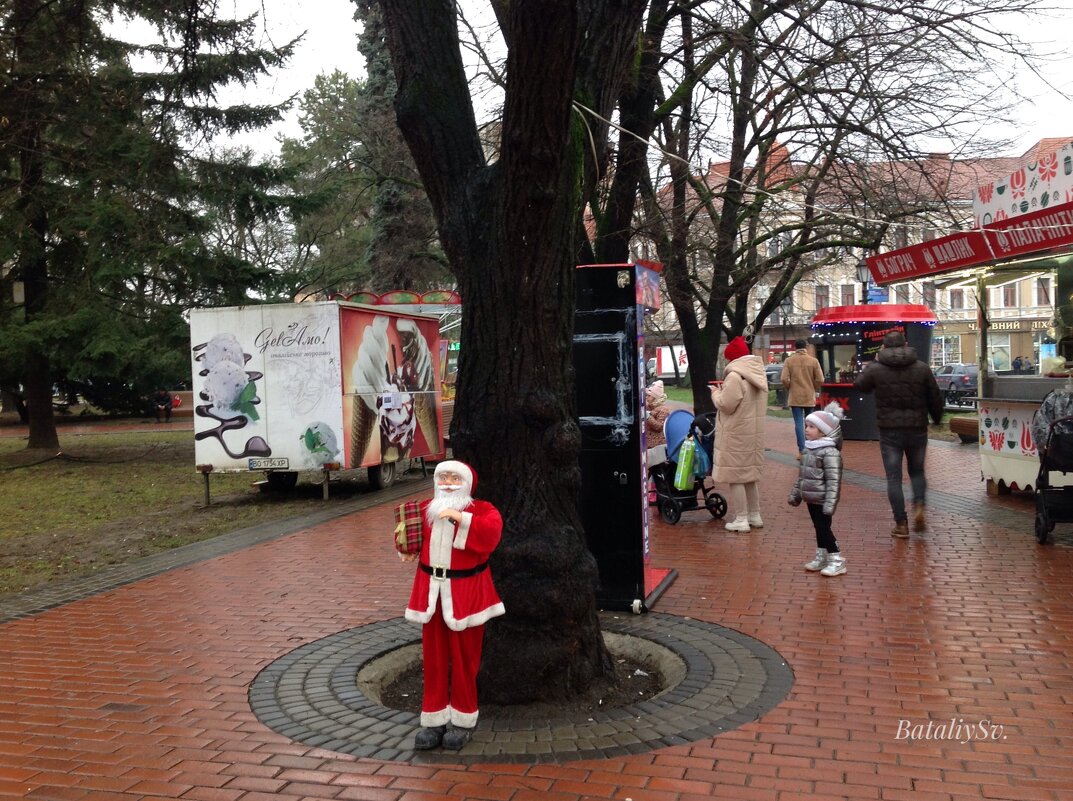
pixel 269 463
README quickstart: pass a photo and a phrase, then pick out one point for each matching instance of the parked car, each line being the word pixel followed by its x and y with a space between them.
pixel 957 381
pixel 774 375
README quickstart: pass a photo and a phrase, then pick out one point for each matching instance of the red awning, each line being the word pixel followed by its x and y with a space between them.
pixel 1035 233
pixel 875 313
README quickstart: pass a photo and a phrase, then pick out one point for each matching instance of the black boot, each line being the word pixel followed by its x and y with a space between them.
pixel 429 737
pixel 456 738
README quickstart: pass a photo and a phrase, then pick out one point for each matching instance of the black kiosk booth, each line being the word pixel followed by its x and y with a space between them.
pixel 847 338
pixel 609 363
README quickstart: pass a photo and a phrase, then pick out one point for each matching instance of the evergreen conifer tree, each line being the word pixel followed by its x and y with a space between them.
pixel 107 192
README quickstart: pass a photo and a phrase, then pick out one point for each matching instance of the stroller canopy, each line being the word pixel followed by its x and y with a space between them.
pixel 1052 429
pixel 676 428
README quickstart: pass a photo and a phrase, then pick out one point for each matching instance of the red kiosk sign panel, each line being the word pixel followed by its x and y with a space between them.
pixel 1039 231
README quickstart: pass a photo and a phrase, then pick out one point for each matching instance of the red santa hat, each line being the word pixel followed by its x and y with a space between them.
pixel 828 419
pixel 469 475
pixel 735 349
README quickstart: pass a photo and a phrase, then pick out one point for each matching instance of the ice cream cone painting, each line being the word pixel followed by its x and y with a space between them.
pixel 390 369
pixel 368 379
pixel 420 379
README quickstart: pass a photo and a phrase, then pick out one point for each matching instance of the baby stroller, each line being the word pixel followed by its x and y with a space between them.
pixel 670 500
pixel 1052 429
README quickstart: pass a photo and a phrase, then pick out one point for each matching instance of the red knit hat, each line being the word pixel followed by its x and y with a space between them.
pixel 735 349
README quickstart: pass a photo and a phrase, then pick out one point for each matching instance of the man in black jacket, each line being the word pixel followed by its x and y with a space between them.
pixel 906 394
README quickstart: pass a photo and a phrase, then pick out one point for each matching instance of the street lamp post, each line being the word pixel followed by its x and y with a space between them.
pixel 863 275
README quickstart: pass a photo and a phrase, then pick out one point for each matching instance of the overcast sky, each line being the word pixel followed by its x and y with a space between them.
pixel 331 43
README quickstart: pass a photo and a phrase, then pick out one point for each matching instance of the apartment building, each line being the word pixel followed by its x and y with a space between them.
pixel 1020 306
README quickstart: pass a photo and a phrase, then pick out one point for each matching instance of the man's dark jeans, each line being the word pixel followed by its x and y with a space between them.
pixel 913 444
pixel 800 413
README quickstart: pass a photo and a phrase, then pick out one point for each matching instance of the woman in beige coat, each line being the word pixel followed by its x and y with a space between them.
pixel 741 404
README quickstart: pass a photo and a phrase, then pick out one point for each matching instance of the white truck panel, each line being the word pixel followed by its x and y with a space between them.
pixel 275 386
pixel 288 416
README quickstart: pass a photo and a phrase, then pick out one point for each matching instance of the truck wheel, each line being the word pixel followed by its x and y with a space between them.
pixel 281 480
pixel 382 476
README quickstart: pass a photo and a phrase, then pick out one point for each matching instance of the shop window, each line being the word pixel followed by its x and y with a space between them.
pixel 957 298
pixel 1043 291
pixel 1042 347
pixel 839 362
pixel 945 349
pixel 998 352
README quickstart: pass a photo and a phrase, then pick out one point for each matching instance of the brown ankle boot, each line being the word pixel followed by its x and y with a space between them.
pixel 919 523
pixel 900 530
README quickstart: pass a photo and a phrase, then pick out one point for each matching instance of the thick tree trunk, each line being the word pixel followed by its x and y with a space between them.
pixel 33 269
pixel 510 232
pixel 33 264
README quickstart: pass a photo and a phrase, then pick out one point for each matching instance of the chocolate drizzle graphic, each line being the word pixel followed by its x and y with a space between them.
pixel 255 446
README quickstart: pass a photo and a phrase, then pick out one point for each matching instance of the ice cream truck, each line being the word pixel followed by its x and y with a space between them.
pixel 290 387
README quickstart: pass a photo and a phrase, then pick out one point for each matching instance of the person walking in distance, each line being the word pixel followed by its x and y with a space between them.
pixel 819 483
pixel 741 406
pixel 906 394
pixel 802 375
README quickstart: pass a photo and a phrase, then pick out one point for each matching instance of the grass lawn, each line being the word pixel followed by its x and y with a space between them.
pixel 114 497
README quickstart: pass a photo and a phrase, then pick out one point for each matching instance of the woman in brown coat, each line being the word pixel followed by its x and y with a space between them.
pixel 741 406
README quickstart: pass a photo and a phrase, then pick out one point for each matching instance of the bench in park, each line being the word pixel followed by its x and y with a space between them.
pixel 967 428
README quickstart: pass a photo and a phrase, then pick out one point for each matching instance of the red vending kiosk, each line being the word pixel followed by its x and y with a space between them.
pixel 847 338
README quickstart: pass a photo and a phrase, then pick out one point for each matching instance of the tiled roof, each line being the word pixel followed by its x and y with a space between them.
pixel 937 177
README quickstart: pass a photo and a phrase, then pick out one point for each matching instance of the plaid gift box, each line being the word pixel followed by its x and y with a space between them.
pixel 408 527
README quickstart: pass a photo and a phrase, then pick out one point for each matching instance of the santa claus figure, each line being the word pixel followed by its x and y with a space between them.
pixel 453 597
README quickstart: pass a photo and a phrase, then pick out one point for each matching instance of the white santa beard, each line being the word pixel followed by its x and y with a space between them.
pixel 457 500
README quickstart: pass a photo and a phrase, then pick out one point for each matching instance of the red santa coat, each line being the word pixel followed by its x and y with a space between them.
pixel 464 602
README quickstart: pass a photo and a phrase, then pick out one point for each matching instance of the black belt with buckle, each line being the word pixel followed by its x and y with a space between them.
pixel 441 572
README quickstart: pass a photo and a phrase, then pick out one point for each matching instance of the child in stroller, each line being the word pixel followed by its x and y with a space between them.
pixel 679 425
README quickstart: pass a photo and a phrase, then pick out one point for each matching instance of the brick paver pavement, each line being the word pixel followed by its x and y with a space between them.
pixel 141 691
